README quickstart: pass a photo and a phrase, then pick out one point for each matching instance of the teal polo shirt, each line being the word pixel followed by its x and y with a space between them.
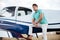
pixel 36 16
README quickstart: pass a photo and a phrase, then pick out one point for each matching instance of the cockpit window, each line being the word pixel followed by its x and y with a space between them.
pixel 10 11
pixel 26 10
pixel 7 12
pixel 21 13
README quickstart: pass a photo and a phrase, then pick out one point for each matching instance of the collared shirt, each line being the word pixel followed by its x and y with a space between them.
pixel 36 16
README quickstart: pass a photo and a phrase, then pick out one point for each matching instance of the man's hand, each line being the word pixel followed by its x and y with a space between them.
pixel 36 25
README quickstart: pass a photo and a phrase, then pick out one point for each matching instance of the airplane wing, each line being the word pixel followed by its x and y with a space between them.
pixel 23 29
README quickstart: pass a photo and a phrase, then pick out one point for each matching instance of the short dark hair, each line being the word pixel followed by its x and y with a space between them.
pixel 35 5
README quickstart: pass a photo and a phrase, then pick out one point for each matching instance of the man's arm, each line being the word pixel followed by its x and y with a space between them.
pixel 40 18
pixel 33 21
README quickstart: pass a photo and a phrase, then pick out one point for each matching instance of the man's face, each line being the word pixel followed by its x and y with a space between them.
pixel 35 8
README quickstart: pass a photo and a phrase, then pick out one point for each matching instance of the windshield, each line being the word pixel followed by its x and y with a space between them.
pixel 10 11
pixel 7 12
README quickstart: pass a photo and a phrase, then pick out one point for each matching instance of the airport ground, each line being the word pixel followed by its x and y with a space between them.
pixel 50 35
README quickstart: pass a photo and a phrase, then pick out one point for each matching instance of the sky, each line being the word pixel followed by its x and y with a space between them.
pixel 43 4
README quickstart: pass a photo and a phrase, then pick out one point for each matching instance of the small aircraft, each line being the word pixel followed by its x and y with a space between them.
pixel 16 20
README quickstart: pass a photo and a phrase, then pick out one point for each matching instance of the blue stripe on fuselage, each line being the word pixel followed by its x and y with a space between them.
pixel 23 29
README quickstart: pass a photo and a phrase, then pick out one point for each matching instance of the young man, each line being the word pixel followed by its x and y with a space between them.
pixel 38 20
